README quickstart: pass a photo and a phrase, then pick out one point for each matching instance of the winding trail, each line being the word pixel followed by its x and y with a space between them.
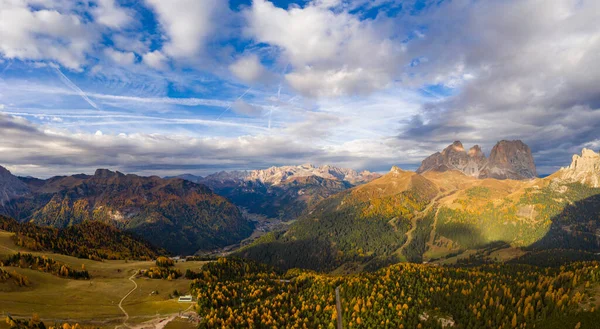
pixel 124 297
pixel 9 249
pixel 435 218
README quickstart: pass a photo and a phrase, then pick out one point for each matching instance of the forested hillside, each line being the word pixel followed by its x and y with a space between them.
pixel 285 201
pixel 236 293
pixel 175 214
pixel 365 224
pixel 89 239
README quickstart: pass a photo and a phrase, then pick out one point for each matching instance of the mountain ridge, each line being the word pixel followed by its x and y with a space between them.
pixel 175 214
pixel 283 192
pixel 507 160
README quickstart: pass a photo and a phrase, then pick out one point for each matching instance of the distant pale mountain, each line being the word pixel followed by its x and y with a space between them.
pixel 430 215
pixel 284 192
pixel 508 160
pixel 281 175
pixel 175 214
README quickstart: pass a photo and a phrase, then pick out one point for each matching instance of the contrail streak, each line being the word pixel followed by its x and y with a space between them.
pixel 237 99
pixel 78 90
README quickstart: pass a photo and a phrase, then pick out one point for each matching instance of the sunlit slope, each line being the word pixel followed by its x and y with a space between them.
pixel 408 216
pixel 363 224
pixel 521 213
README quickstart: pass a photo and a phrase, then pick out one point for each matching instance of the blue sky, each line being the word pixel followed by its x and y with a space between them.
pixel 167 87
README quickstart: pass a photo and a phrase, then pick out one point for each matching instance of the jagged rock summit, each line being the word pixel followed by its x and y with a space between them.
pixel 508 160
pixel 584 169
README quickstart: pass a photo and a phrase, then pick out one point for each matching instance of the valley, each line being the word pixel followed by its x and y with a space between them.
pixel 386 234
pixel 94 302
pixel 299 164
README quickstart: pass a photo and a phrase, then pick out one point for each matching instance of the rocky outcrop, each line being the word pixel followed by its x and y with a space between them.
pixel 584 169
pixel 11 187
pixel 508 160
pixel 454 157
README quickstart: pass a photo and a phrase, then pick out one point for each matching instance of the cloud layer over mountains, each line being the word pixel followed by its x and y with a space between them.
pixel 166 87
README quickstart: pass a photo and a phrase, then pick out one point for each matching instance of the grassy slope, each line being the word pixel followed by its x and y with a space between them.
pixel 453 214
pixel 84 301
pixel 366 224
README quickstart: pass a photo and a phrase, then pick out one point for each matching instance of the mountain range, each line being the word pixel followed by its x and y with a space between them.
pixel 440 212
pixel 282 192
pixel 456 201
pixel 175 214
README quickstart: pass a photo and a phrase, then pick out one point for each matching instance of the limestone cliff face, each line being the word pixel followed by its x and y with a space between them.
pixel 454 157
pixel 508 160
pixel 584 168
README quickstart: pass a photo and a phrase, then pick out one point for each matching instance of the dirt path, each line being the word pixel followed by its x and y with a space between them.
pixel 124 297
pixel 435 219
pixel 9 249
pixel 409 234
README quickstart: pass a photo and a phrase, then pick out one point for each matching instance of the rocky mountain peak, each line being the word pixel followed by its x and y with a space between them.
pixel 105 173
pixel 587 153
pixel 396 170
pixel 508 160
pixel 584 169
pixel 456 146
pixel 476 152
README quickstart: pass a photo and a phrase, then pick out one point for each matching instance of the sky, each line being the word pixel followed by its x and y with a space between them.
pixel 159 87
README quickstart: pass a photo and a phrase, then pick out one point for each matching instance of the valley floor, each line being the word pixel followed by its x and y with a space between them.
pixel 96 301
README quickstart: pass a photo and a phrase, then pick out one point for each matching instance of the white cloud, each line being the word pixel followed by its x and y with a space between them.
pixel 131 42
pixel 155 59
pixel 120 57
pixel 188 24
pixel 108 13
pixel 337 82
pixel 326 47
pixel 44 34
pixel 249 69
pixel 243 108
